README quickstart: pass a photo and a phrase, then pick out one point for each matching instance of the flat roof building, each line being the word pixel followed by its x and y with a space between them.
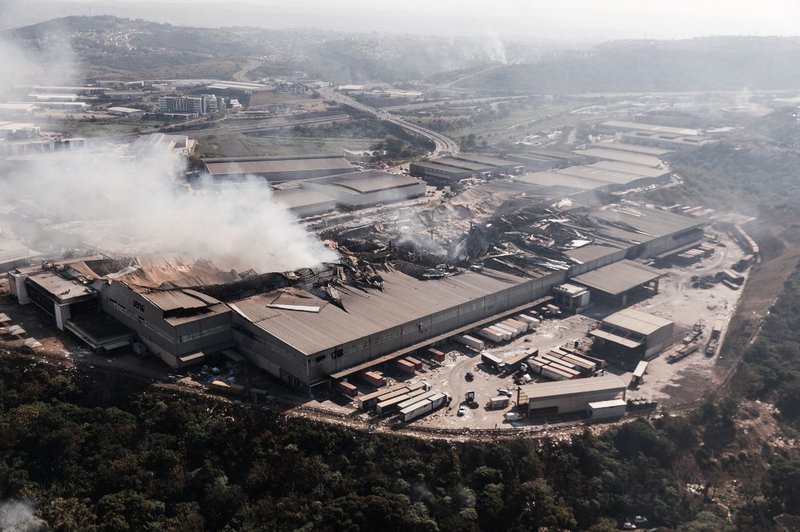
pixel 633 334
pixel 618 282
pixel 371 187
pixel 304 202
pixel 569 396
pixel 277 168
pixel 302 339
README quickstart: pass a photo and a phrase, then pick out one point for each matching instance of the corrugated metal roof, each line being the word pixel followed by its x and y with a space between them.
pixel 632 168
pixel 611 403
pixel 553 389
pixel 375 183
pixel 615 338
pixel 168 300
pixel 635 148
pixel 599 174
pixel 652 222
pixel 636 321
pixel 618 277
pixel 621 124
pixel 402 300
pixel 548 179
pixel 621 155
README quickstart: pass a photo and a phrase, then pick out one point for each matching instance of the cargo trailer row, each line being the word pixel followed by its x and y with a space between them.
pixel 424 406
pixel 562 356
pixel 551 370
pixel 370 400
pixel 399 401
pixel 508 328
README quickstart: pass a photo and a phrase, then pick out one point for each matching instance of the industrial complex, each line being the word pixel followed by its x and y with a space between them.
pixel 428 273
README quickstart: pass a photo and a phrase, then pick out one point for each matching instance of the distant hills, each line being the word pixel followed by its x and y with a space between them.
pixel 108 45
pixel 703 64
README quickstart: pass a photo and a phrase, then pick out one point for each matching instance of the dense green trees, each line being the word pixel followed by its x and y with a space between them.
pixel 146 459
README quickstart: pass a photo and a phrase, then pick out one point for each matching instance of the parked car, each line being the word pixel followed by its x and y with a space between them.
pixel 469 376
pixel 461 410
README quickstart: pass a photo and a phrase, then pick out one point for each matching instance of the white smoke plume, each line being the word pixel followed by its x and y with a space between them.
pixel 50 63
pixel 99 199
pixel 95 199
pixel 495 48
pixel 17 516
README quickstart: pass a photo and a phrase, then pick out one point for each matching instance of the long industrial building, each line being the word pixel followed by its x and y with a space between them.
pixel 303 339
pixel 276 168
pixel 569 396
pixel 455 167
pixel 304 332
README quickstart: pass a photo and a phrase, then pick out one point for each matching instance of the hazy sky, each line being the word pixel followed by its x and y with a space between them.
pixel 552 19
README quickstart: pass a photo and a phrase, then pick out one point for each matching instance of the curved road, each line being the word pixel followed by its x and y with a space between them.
pixel 443 145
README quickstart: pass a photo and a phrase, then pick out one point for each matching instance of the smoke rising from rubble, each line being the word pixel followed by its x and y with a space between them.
pixel 100 199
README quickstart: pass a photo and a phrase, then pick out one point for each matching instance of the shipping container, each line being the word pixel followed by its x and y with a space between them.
pixel 490 335
pixel 375 378
pixel 507 329
pixel 530 320
pixel 416 399
pixel 346 388
pixel 559 360
pixel 584 365
pixel 470 341
pixel 406 366
pixel 368 401
pixel 390 405
pixel 417 363
pixel 435 354
pixel 520 326
pixel 423 407
pixel 501 331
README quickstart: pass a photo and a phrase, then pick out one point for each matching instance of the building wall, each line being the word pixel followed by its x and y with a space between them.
pixel 208 332
pixel 659 341
pixel 573 403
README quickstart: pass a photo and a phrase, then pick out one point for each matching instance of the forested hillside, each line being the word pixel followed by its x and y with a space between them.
pixel 703 64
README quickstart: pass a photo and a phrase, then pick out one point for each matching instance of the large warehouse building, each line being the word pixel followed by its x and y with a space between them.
pixel 303 339
pixel 277 168
pixel 569 396
pixel 449 169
